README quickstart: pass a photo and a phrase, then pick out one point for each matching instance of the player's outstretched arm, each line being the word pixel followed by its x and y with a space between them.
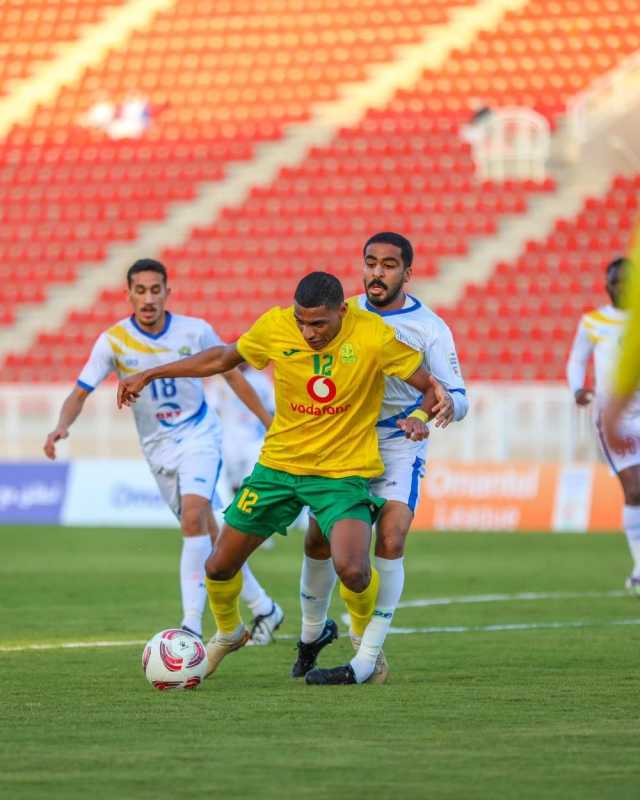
pixel 436 404
pixel 245 391
pixel 212 361
pixel 69 412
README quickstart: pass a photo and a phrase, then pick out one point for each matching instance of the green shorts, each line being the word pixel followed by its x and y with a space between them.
pixel 269 501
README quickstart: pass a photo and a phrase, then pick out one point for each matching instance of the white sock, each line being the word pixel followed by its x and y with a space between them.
pixel 253 594
pixel 317 579
pixel 391 573
pixel 195 550
pixel 631 518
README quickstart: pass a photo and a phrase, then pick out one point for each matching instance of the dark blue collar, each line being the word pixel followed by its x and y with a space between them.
pixel 167 322
pixel 415 304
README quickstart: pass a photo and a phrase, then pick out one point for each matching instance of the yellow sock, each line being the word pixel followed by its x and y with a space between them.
pixel 224 602
pixel 360 606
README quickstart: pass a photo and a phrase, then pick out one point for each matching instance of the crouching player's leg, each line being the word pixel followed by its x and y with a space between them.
pixel 375 604
pixel 224 585
pixel 400 487
pixel 187 478
pixel 266 501
pixel 267 614
pixel 345 510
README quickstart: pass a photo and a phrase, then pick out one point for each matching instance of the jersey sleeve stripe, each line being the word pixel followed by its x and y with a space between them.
pixel 123 368
pixel 390 422
pixel 85 386
pixel 125 338
pixel 598 316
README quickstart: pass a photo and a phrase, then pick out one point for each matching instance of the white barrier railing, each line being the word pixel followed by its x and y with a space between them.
pixel 506 422
pixel 511 142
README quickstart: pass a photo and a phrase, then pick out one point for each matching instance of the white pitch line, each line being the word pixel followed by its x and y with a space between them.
pixel 434 629
pixel 69 645
pixel 421 603
pixel 515 626
pixel 498 598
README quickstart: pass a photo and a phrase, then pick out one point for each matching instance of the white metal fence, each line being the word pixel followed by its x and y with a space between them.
pixel 511 142
pixel 506 422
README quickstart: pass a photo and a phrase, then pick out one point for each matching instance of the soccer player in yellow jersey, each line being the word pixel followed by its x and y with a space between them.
pixel 321 449
pixel 387 269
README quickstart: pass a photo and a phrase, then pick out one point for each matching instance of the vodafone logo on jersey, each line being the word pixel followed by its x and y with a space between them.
pixel 321 389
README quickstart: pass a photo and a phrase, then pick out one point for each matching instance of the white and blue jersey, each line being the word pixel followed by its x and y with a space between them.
pixel 179 433
pixel 404 460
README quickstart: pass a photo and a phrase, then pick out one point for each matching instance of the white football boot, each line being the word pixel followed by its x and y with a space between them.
pixel 265 625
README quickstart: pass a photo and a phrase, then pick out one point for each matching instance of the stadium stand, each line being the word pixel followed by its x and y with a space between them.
pixel 69 194
pixel 519 325
pixel 32 31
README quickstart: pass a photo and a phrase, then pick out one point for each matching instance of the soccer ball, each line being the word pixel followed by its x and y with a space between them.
pixel 174 659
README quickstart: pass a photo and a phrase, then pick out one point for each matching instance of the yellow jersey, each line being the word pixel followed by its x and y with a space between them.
pixel 627 375
pixel 327 401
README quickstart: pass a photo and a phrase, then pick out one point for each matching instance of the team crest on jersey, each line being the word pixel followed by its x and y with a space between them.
pixel 185 350
pixel 321 389
pixel 348 354
pixel 131 362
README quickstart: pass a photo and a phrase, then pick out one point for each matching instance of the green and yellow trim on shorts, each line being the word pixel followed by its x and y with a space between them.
pixel 269 500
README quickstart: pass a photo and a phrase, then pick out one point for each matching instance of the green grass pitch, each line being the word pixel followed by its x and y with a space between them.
pixel 543 705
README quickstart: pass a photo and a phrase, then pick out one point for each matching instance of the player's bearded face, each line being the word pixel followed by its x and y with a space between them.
pixel 384 273
pixel 319 325
pixel 148 296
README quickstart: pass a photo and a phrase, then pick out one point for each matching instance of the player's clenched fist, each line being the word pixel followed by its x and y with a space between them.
pixel 129 389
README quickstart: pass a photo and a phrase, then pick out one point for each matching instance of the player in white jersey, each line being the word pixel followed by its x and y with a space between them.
pixel 598 336
pixel 388 259
pixel 179 433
